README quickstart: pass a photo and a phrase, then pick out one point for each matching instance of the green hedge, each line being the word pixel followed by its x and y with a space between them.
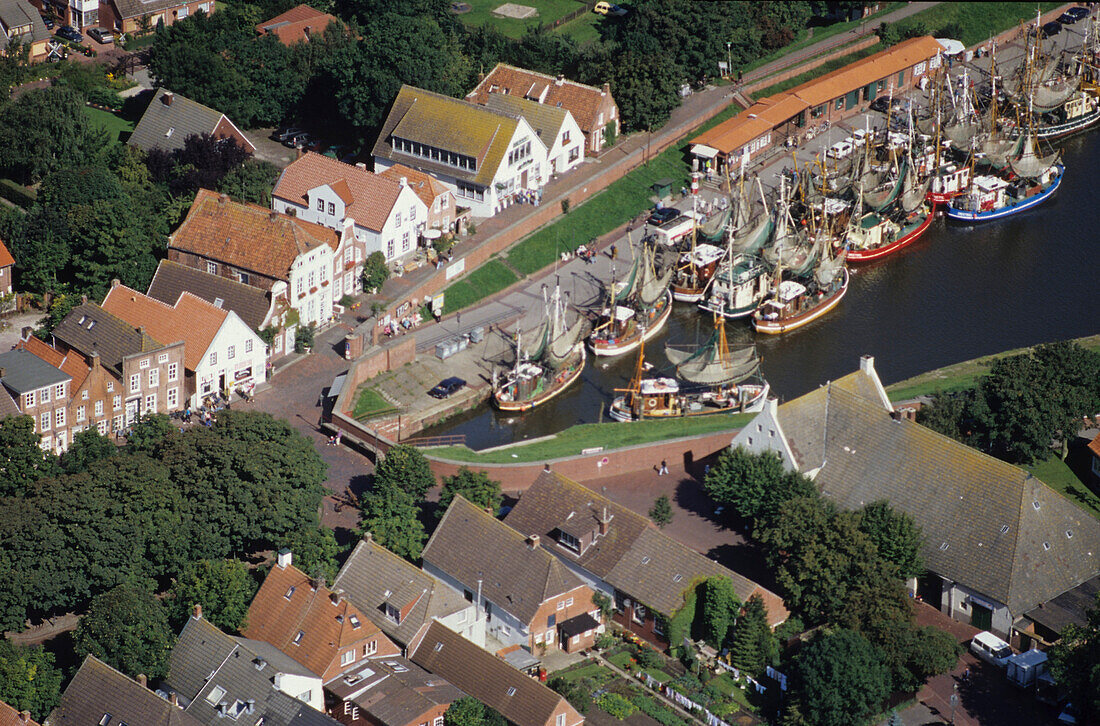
pixel 17 194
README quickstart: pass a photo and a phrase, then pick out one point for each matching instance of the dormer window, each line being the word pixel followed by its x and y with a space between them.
pixel 392 613
pixel 354 620
pixel 569 541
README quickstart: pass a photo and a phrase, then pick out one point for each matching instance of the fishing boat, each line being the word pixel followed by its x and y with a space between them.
pixel 794 304
pixel 877 234
pixel 635 313
pixel 715 379
pixel 737 288
pixel 554 364
pixel 694 272
pixel 991 197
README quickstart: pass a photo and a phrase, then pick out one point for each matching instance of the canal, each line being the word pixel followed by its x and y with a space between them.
pixel 960 292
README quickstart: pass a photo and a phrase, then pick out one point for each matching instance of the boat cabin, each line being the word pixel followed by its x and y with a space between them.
pixel 949 181
pixel 986 194
pixel 702 257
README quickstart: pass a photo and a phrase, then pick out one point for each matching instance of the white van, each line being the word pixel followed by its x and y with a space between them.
pixel 840 150
pixel 990 648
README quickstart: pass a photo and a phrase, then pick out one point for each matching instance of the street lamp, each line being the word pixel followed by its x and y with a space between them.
pixel 729 58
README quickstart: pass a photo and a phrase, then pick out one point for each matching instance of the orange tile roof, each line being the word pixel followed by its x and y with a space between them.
pixel 297 24
pixel 192 319
pixel 10 717
pixel 1094 445
pixel 247 236
pixel 872 68
pixel 71 363
pixel 427 187
pixel 369 197
pixel 5 256
pixel 582 101
pixel 289 603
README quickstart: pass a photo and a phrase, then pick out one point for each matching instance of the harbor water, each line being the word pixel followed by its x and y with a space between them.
pixel 958 293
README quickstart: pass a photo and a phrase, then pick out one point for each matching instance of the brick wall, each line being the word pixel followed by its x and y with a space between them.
pixel 539 627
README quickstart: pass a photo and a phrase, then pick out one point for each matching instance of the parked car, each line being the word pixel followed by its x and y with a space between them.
pixel 48 21
pixel 1052 28
pixel 618 10
pixel 101 35
pixel 841 149
pixel 602 7
pixel 68 32
pixel 662 215
pixel 447 387
pixel 297 140
pixel 316 145
pixel 1073 15
pixel 286 132
pixel 990 648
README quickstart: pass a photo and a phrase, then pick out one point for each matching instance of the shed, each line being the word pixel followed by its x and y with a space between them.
pixel 662 187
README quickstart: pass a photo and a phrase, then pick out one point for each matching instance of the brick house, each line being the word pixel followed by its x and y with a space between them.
pixel 221 353
pixel 316 626
pixel 307 265
pixel 128 373
pixel 41 391
pixel 593 109
pixel 297 25
pixel 622 555
pixel 170 118
pixel 522 700
pixel 10 717
pixel 440 201
pixel 20 22
pixel 389 691
pixel 385 213
pixel 522 589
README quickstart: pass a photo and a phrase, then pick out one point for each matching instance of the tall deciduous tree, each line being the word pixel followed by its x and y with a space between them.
pixel 315 551
pixel 840 679
pixel 87 448
pixel 29 681
pixel 895 535
pixel 754 485
pixel 404 467
pixel 915 654
pixel 252 181
pixel 718 609
pixel 1075 664
pixel 45 130
pixel 393 519
pixel 22 460
pixel 224 589
pixel 127 628
pixel 476 486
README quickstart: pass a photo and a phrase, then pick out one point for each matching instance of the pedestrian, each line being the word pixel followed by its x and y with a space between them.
pixel 664 468
pixel 966 675
pixel 614 251
pixel 337 441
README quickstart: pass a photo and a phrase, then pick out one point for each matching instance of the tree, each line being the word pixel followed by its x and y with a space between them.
pixel 375 271
pixel 754 485
pixel 576 692
pixel 87 447
pixel 661 512
pixel 404 467
pixel 717 610
pixel 22 460
pixel 127 628
pixel 754 645
pixel 252 182
pixel 913 655
pixel 224 589
pixel 315 551
pixel 202 163
pixel 393 519
pixel 896 536
pixel 468 711
pixel 29 681
pixel 840 679
pixel 476 487
pixel 45 130
pixel 1075 664
pixel 150 433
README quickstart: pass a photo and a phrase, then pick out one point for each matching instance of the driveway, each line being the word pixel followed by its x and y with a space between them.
pixel 270 150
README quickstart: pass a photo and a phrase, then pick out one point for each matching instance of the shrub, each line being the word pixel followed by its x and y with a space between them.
pixel 605 641
pixel 565 206
pixel 100 96
pixel 375 271
pixel 347 301
pixel 660 714
pixel 648 657
pixel 615 705
pixel 303 338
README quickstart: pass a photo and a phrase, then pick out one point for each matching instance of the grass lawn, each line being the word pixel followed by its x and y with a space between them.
pixel 622 200
pixel 369 404
pixel 491 277
pixel 115 125
pixel 481 13
pixel 599 675
pixel 972 22
pixel 1054 472
pixel 623 658
pixel 659 674
pixel 960 375
pixel 610 436
pixel 586 28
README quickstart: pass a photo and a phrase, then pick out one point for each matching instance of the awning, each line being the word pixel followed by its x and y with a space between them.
pixel 337 385
pixel 703 151
pixel 951 47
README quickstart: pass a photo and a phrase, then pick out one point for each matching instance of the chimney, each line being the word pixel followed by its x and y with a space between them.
pixel 403 182
pixel 368 537
pixel 532 541
pixel 480 76
pixel 867 364
pixel 26 332
pixel 197 610
pixel 273 215
pixel 284 559
pixel 83 299
pixel 605 522
pixel 772 405
pixel 166 99
pixel 174 699
pixel 334 596
pixel 606 89
pixel 223 198
pixel 560 80
pixel 309 29
pixel 95 358
pixel 142 680
pixel 25 716
pixel 361 165
pixel 115 283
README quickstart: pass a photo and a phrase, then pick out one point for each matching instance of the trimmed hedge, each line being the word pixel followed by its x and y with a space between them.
pixel 17 194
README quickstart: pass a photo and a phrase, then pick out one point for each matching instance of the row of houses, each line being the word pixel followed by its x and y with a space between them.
pixel 392 644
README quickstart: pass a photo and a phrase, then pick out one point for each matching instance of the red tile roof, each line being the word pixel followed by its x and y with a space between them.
pixel 584 102
pixel 192 319
pixel 71 363
pixel 247 236
pixel 299 617
pixel 297 24
pixel 1094 445
pixel 427 187
pixel 369 197
pixel 10 717
pixel 5 256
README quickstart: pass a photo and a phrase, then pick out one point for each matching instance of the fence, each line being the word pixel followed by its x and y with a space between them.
pixel 570 16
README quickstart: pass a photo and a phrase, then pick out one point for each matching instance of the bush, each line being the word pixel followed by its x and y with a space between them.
pixel 303 338
pixel 648 657
pixel 347 301
pixel 16 194
pixel 615 705
pixel 605 641
pixel 104 97
pixel 661 714
pixel 375 271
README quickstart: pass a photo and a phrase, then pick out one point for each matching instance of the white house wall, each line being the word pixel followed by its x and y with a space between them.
pixel 246 366
pixel 466 623
pixel 307 689
pixel 558 153
pixel 500 624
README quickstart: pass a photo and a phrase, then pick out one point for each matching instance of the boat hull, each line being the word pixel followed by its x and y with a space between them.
pixel 857 256
pixel 530 403
pixel 607 348
pixel 730 313
pixel 776 327
pixel 1058 131
pixel 687 294
pixel 619 411
pixel 963 215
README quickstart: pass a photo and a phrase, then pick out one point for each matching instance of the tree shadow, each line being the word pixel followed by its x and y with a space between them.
pixel 746 559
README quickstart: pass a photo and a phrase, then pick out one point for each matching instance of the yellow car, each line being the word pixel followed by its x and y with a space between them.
pixel 602 7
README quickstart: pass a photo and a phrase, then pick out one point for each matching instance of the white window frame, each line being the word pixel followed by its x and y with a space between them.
pixel 173 371
pixel 154 377
pixel 98 408
pixel 173 397
pixel 59 418
pixel 44 396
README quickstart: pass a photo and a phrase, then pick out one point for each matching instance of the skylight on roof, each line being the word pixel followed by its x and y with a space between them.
pixel 438 647
pixel 944 546
pixel 1069 534
pixel 677 578
pixel 1036 505
pixel 1046 546
pixel 354 622
pixel 1004 529
pixel 645 560
pixel 290 592
pixel 217 693
pixel 511 691
pixel 298 638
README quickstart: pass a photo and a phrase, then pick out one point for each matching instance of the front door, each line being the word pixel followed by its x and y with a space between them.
pixel 523 180
pixel 981 617
pixel 131 411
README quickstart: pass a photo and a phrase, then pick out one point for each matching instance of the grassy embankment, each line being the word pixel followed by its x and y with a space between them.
pixel 370 404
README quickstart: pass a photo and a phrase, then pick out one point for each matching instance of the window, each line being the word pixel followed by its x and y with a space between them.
pixel 59 418
pixel 331 208
pixel 565 136
pixel 212 267
pixel 320 205
pixel 248 346
pixel 412 213
pixel 28 400
pixel 135 382
pixel 446 201
pixel 101 427
pixel 347 658
pixel 116 423
pixel 217 693
pixel 511 690
pixel 44 421
pixel 551 620
pixel 243 278
pixel 162 358
pixel 59 391
pixel 569 602
pixel 154 377
pixel 370 648
pixel 83 395
pixel 151 403
pixel 298 638
pixel 438 721
pixel 397 219
pixel 145 363
pixel 116 403
pixel 173 397
pixel 105 720
pixel 110 386
pixel 44 397
pixel 355 622
pixel 214 358
pixel 561 604
pixel 231 353
pixel 173 371
pixel 639 613
pixel 393 613
pixel 290 592
pixel 574 154
pixel 389 249
pixel 560 721
pixel 80 413
pixel 569 541
pixel 405 242
pixel 99 408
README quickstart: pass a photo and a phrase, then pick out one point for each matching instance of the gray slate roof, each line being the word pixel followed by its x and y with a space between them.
pixel 394 691
pixel 18 14
pixel 166 126
pixel 173 279
pixel 22 371
pixel 1069 608
pixel 98 689
pixel 207 662
pixel 988 525
pixel 372 571
pixel 470 544
pixel 88 328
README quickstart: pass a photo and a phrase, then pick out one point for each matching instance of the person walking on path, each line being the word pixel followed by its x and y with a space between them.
pixel 614 251
pixel 664 468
